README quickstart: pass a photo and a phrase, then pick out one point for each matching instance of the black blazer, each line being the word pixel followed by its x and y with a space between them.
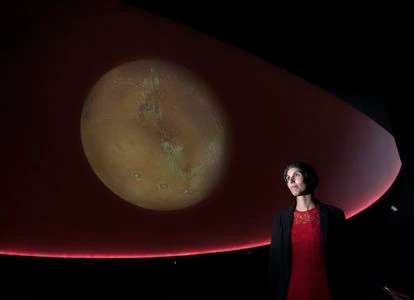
pixel 332 228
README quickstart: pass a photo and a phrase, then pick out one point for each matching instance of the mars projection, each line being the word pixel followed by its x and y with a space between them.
pixel 154 134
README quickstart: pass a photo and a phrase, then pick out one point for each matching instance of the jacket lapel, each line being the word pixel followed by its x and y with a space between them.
pixel 288 219
pixel 324 218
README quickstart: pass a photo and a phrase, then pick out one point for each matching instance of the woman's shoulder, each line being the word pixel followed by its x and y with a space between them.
pixel 282 212
pixel 334 210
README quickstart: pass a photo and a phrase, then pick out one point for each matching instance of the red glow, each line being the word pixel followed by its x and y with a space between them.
pixel 53 205
pixel 133 255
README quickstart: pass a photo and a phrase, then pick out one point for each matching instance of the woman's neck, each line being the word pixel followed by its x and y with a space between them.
pixel 305 202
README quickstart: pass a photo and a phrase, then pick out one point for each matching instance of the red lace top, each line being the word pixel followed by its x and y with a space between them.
pixel 308 279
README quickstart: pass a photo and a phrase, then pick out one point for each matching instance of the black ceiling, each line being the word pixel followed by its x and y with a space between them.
pixel 340 50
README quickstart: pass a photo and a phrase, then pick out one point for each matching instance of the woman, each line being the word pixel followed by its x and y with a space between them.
pixel 305 260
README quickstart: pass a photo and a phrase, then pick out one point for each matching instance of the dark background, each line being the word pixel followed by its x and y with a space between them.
pixel 359 57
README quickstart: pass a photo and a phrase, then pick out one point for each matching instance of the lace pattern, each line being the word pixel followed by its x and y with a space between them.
pixel 305 217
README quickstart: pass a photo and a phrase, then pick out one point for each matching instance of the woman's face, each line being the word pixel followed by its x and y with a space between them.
pixel 295 182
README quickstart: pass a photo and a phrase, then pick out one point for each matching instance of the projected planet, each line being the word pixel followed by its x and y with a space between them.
pixel 153 133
